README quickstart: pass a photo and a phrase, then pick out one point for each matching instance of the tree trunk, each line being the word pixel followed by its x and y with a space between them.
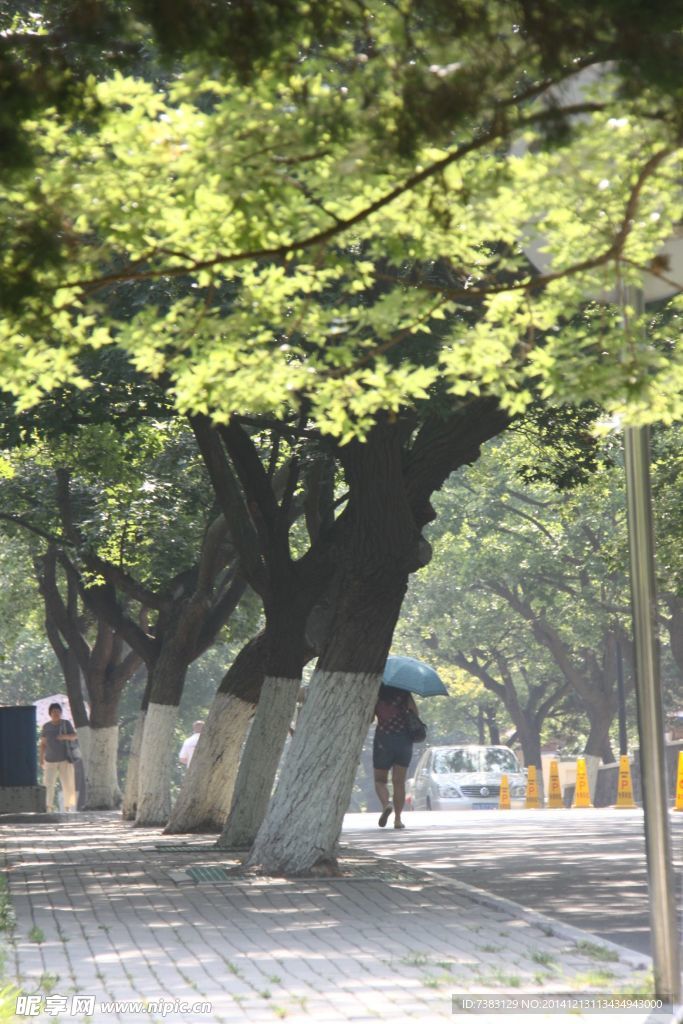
pixel 301 828
pixel 260 760
pixel 600 717
pixel 207 791
pixel 530 739
pixel 494 730
pixel 129 806
pixel 158 750
pixel 84 733
pixel 382 547
pixel 102 786
pixel 676 630
pixel 156 764
pixel 204 800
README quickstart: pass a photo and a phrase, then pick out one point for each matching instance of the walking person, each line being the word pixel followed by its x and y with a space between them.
pixel 392 750
pixel 53 758
pixel 189 746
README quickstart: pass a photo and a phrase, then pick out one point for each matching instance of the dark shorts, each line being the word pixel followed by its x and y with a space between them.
pixel 390 748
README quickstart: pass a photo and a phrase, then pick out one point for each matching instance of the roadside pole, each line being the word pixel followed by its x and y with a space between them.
pixel 661 886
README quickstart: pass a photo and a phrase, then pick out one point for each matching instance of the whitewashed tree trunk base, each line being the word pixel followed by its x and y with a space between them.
pixel 592 765
pixel 302 826
pixel 130 793
pixel 205 798
pixel 156 763
pixel 260 760
pixel 83 732
pixel 102 785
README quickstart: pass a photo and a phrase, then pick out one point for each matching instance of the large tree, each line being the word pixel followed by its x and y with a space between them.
pixel 345 231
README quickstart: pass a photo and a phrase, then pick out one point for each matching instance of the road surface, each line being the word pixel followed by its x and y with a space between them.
pixel 585 867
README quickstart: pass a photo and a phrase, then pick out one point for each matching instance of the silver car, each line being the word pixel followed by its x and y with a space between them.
pixel 454 778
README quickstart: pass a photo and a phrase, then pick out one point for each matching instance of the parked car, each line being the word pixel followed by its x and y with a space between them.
pixel 454 778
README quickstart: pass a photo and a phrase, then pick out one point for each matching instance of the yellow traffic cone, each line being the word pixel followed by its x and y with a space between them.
pixel 555 794
pixel 582 793
pixel 625 785
pixel 678 806
pixel 504 798
pixel 533 799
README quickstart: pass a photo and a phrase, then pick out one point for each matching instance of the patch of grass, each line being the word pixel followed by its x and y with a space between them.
pixel 596 952
pixel 233 968
pixel 439 980
pixel 488 948
pixel 8 1002
pixel 542 958
pixel 265 993
pixel 504 979
pixel 274 979
pixel 6 912
pixel 594 979
pixel 47 982
pixel 36 934
pixel 415 960
pixel 8 992
pixel 280 1012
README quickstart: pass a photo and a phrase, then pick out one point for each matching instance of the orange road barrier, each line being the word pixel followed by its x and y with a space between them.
pixel 625 784
pixel 533 799
pixel 678 806
pixel 504 798
pixel 555 795
pixel 582 793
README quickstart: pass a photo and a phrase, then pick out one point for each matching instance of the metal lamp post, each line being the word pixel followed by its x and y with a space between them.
pixel 661 884
pixel 663 925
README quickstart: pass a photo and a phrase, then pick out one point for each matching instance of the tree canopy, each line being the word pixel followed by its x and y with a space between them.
pixel 341 223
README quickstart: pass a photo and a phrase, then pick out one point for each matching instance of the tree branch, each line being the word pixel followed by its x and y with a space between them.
pixel 231 501
pixel 498 130
pixel 63 617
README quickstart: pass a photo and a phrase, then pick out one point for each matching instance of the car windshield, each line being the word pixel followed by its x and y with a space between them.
pixel 499 759
pixel 469 759
pixel 459 760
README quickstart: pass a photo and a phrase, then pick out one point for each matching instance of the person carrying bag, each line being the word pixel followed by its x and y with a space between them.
pixel 58 745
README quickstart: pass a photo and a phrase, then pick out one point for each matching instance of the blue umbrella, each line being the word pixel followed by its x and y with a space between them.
pixel 414 676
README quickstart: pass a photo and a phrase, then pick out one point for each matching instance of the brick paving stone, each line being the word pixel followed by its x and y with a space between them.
pixel 121 920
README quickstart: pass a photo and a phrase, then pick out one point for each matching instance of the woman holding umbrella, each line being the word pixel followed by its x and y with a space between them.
pixel 392 750
pixel 394 736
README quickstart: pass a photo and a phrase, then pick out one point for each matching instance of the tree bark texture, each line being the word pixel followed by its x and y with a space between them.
pixel 259 762
pixel 302 826
pixel 203 803
pixel 166 681
pixel 102 784
pixel 156 763
pixel 206 795
pixel 676 630
pixel 129 806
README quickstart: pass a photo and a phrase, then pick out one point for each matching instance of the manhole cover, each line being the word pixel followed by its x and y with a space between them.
pixel 208 874
pixel 185 848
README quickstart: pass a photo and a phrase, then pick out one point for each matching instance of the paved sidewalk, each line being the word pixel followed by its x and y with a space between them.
pixel 108 913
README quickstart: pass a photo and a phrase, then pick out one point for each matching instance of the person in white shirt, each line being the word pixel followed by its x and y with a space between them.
pixel 188 747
